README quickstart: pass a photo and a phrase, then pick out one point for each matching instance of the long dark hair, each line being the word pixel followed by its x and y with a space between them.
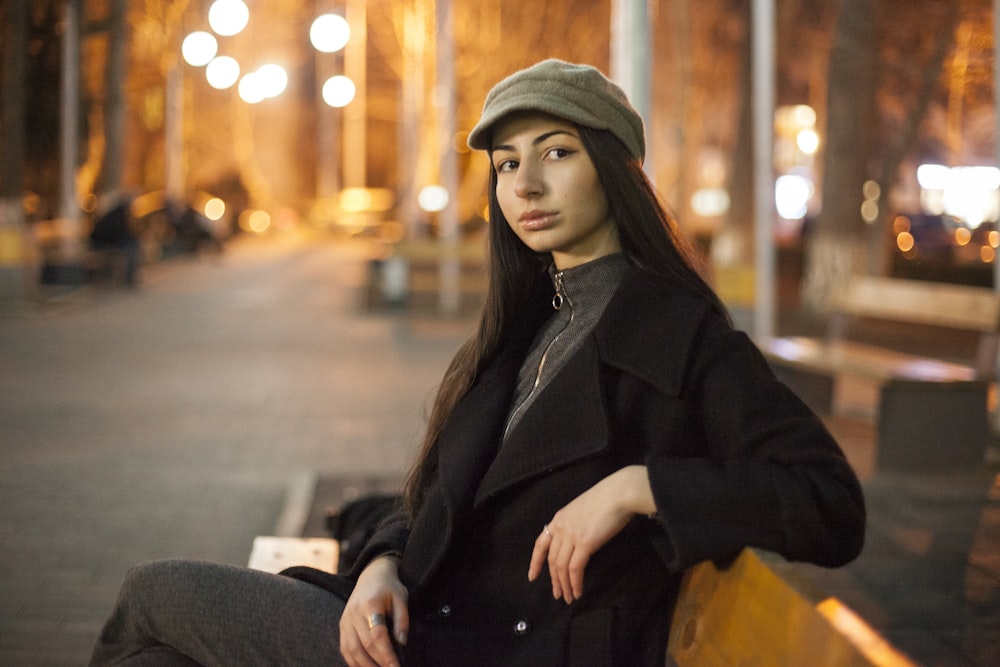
pixel 650 240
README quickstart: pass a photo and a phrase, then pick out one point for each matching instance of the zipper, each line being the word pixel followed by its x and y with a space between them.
pixel 557 302
pixel 557 298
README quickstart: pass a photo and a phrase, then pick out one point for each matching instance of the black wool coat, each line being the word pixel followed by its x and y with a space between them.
pixel 734 458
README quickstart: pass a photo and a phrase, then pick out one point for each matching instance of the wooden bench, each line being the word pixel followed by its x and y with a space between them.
pixel 66 255
pixel 746 614
pixel 743 614
pixel 931 413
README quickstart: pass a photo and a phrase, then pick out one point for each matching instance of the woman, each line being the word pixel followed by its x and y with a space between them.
pixel 604 429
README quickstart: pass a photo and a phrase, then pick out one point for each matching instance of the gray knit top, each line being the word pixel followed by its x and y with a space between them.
pixel 582 293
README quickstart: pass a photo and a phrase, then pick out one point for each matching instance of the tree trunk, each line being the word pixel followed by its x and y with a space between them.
pixel 13 65
pixel 109 180
pixel 881 236
pixel 834 251
pixel 732 250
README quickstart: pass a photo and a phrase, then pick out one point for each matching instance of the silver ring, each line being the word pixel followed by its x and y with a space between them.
pixel 376 619
pixel 546 530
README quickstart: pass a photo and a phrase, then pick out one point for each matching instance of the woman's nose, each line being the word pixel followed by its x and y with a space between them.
pixel 528 181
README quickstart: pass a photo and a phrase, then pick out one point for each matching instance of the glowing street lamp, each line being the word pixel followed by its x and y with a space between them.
pixel 199 48
pixel 273 78
pixel 338 91
pixel 329 33
pixel 433 198
pixel 251 88
pixel 228 17
pixel 222 72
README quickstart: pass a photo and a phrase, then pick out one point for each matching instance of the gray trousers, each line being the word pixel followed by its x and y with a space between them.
pixel 193 613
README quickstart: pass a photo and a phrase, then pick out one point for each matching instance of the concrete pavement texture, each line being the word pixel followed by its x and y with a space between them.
pixel 170 420
pixel 175 420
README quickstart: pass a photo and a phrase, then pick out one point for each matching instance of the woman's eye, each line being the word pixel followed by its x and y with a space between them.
pixel 506 165
pixel 559 153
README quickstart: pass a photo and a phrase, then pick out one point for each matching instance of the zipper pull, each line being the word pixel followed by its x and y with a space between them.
pixel 557 298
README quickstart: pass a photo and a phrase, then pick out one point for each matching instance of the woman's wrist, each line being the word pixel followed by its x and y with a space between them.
pixel 637 492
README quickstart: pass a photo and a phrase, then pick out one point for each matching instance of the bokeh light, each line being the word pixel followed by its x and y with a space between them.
pixel 338 91
pixel 433 198
pixel 199 48
pixel 329 33
pixel 228 17
pixel 222 72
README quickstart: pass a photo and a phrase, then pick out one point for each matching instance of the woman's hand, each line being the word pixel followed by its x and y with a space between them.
pixel 379 595
pixel 586 524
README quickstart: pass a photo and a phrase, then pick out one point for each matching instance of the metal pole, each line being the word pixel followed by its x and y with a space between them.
pixel 70 79
pixel 449 296
pixel 353 171
pixel 173 132
pixel 996 113
pixel 764 208
pixel 996 151
pixel 631 54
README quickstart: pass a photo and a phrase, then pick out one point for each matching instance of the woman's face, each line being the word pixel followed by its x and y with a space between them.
pixel 548 190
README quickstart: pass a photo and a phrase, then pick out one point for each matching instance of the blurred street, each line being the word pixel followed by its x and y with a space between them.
pixel 175 419
pixel 170 420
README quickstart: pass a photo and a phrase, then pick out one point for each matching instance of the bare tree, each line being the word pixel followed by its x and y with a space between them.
pixel 834 249
pixel 13 63
pixel 109 179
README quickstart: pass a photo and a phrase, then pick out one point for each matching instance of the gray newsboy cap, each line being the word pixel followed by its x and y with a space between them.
pixel 577 93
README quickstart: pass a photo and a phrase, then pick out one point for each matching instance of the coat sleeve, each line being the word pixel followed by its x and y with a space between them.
pixel 389 537
pixel 771 477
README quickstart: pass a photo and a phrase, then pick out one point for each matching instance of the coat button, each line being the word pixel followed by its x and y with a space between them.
pixel 521 627
pixel 444 611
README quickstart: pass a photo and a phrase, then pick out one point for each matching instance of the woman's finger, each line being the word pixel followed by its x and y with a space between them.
pixel 559 555
pixel 539 553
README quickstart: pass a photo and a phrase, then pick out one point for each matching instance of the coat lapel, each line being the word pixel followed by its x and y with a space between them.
pixel 471 436
pixel 554 431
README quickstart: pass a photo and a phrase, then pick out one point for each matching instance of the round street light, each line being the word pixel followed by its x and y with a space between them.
pixel 251 88
pixel 273 78
pixel 199 48
pixel 433 198
pixel 338 91
pixel 228 17
pixel 222 72
pixel 329 33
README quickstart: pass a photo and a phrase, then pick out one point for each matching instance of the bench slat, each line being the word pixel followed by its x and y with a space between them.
pixel 850 358
pixel 935 304
pixel 745 614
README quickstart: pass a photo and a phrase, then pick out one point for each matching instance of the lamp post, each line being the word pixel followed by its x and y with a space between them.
pixel 69 210
pixel 329 33
pixel 355 120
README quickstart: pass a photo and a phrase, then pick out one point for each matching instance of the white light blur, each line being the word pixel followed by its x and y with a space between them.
pixel 329 33
pixel 251 88
pixel 215 208
pixel 433 198
pixel 222 72
pixel 933 176
pixel 228 17
pixel 338 91
pixel 199 48
pixel 791 196
pixel 710 202
pixel 969 194
pixel 805 115
pixel 807 141
pixel 273 79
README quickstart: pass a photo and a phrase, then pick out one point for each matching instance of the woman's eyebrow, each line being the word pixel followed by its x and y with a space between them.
pixel 539 139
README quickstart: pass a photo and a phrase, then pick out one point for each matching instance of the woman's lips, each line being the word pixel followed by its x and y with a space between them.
pixel 534 220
